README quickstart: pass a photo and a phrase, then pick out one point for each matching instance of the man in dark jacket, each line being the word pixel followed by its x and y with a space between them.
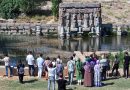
pixel 20 68
pixel 126 64
pixel 61 83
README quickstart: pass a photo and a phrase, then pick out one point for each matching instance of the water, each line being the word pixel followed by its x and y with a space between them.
pixel 18 46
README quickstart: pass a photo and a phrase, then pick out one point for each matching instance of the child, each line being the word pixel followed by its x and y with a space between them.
pixel 97 74
pixel 61 83
pixel 20 68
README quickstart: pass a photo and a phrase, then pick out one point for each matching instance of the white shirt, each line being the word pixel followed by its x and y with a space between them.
pixel 51 71
pixel 40 61
pixel 58 60
pixel 30 59
pixel 6 60
pixel 54 63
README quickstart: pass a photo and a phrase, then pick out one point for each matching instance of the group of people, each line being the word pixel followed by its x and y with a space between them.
pixel 95 69
pixel 91 72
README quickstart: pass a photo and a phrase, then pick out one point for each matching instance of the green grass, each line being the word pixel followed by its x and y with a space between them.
pixel 34 84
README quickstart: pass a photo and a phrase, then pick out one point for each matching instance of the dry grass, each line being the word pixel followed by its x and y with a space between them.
pixel 34 19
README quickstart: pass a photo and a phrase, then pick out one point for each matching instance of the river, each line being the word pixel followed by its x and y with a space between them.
pixel 18 46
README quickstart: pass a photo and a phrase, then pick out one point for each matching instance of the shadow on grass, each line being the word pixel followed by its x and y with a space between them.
pixel 69 89
pixel 106 84
pixel 112 78
pixel 74 82
pixel 31 81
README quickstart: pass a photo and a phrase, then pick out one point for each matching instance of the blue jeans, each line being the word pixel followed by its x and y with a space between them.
pixel 71 75
pixel 51 80
pixel 31 70
pixel 11 70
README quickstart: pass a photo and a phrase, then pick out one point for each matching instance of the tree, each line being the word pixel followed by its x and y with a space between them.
pixel 55 8
pixel 12 8
pixel 8 9
pixel 26 5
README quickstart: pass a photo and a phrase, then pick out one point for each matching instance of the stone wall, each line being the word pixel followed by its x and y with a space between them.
pixel 79 17
pixel 27 28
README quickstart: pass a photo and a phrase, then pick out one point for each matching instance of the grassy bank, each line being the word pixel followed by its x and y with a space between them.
pixel 34 84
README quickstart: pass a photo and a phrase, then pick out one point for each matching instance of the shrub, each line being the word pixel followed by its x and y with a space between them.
pixel 55 7
pixel 12 8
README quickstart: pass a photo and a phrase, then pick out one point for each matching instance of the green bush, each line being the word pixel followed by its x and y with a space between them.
pixel 121 57
pixel 55 7
pixel 12 8
pixel 111 57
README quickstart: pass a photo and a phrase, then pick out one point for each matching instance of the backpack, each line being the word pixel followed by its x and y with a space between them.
pixel 59 69
pixel 21 70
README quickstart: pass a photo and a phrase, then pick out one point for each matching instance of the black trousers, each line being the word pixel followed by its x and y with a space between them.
pixel 21 78
pixel 126 71
pixel 31 70
pixel 103 74
pixel 115 67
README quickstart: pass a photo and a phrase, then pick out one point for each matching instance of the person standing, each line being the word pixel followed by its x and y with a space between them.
pixel 88 75
pixel 75 58
pixel 20 68
pixel 70 66
pixel 103 63
pixel 12 64
pixel 47 62
pixel 126 64
pixel 6 59
pixel 79 71
pixel 58 59
pixel 51 76
pixel 108 65
pixel 97 74
pixel 30 61
pixel 54 62
pixel 61 83
pixel 40 63
pixel 116 65
pixel 59 68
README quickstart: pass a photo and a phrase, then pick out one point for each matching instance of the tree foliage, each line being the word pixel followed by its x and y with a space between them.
pixel 26 5
pixel 55 7
pixel 12 8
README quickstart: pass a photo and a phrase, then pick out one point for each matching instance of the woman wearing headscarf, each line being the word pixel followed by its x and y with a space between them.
pixel 79 71
pixel 97 74
pixel 88 75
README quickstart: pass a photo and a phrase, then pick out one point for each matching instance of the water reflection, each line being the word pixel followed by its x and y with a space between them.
pixel 96 43
pixel 20 45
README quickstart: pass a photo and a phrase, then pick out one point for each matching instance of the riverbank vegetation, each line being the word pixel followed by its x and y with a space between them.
pixel 28 10
pixel 12 8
